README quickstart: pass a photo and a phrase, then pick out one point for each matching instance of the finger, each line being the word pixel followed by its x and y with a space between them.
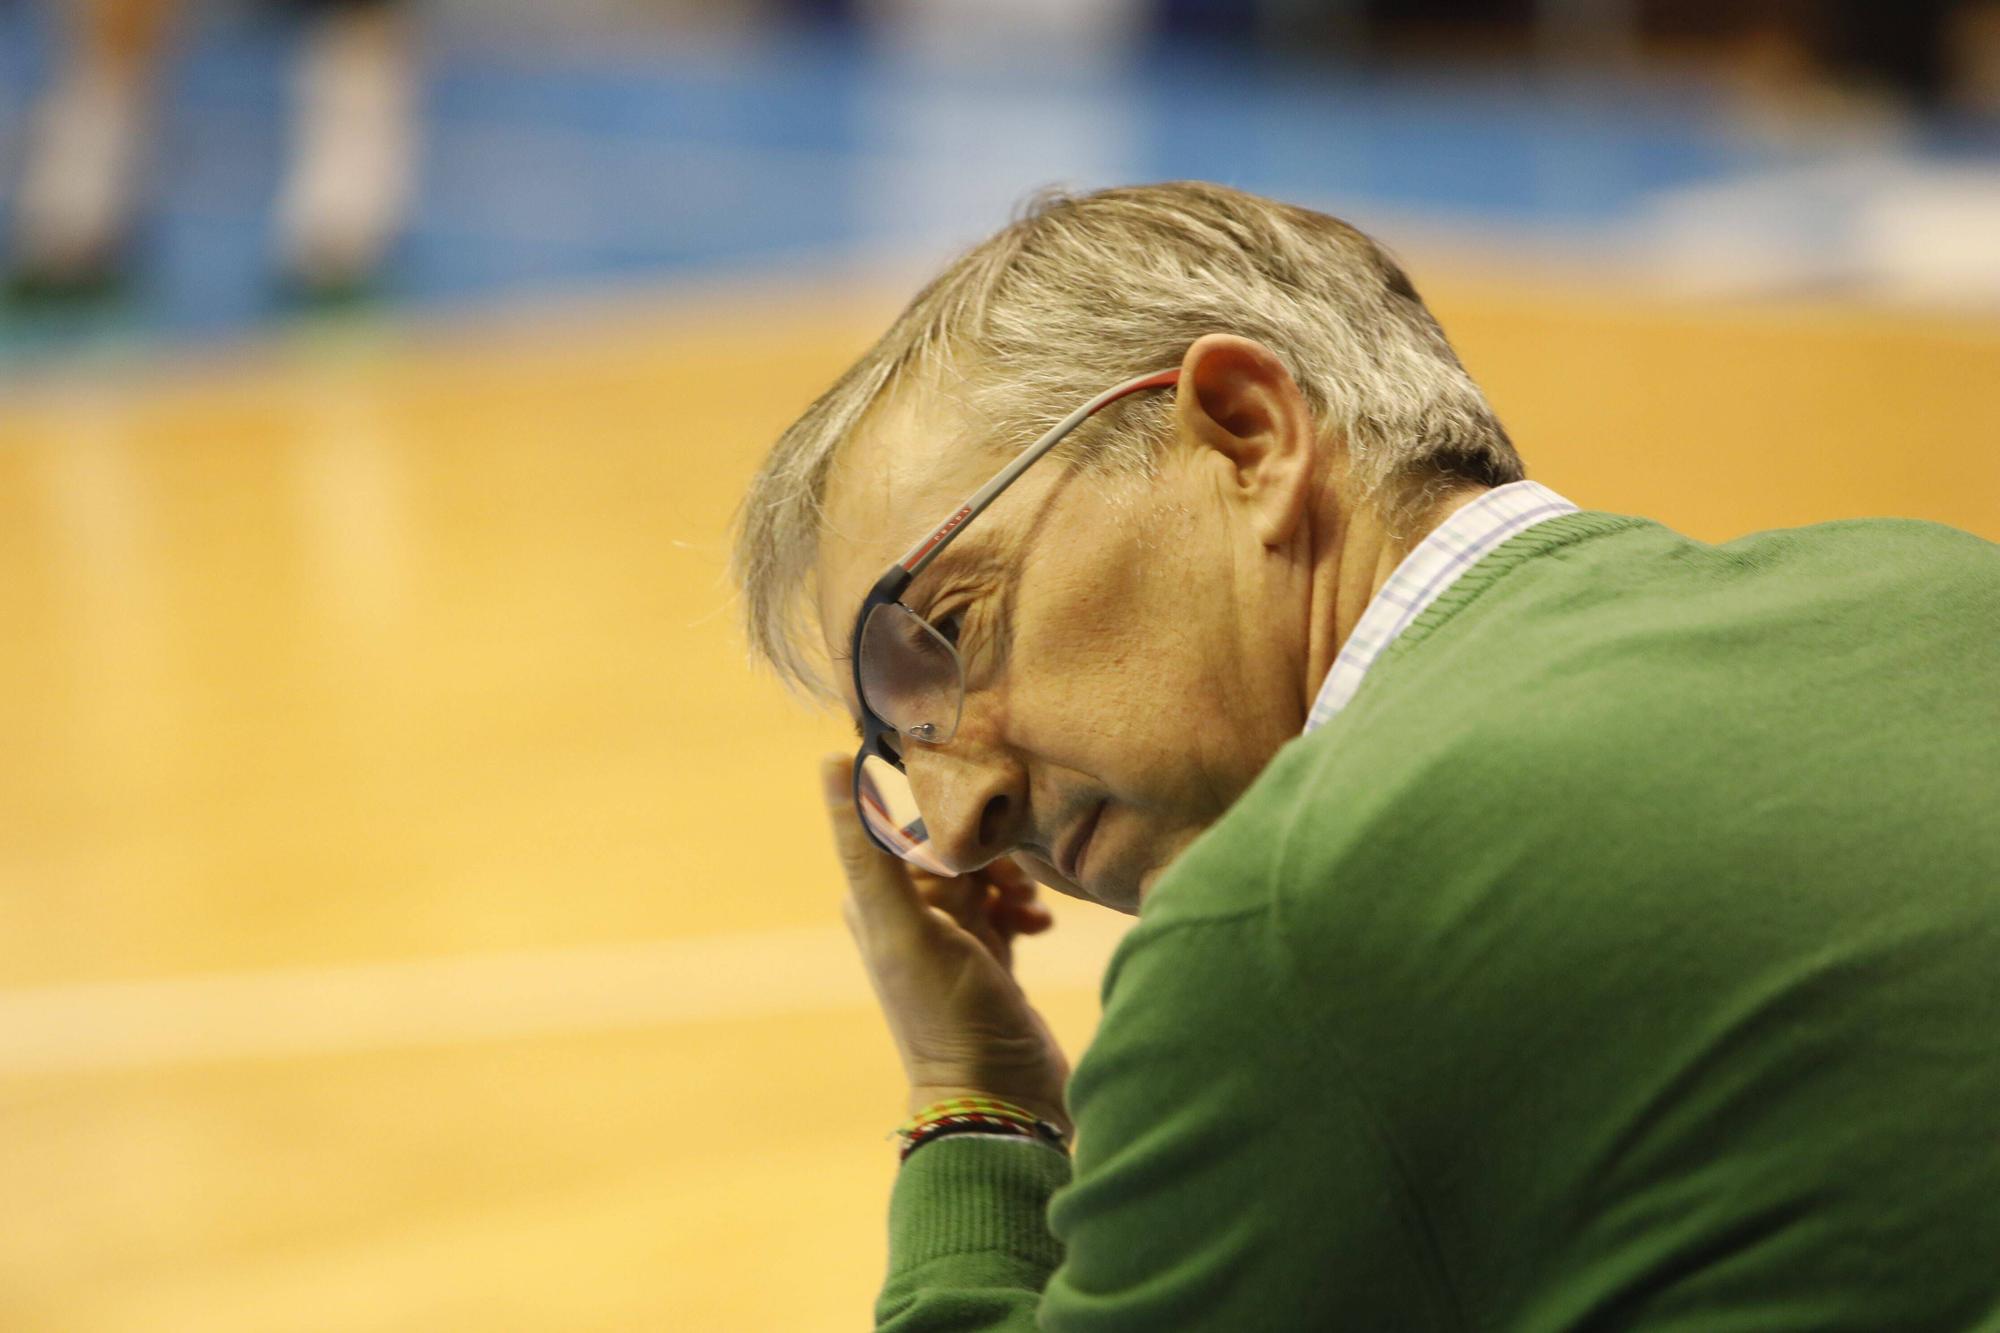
pixel 1008 874
pixel 1018 893
pixel 962 895
pixel 1015 918
pixel 1028 918
pixel 993 931
pixel 1015 884
pixel 884 898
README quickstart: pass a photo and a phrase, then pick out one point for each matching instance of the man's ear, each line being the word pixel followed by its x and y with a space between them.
pixel 1237 399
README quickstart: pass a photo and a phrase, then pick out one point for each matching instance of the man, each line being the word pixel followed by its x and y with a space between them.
pixel 1546 921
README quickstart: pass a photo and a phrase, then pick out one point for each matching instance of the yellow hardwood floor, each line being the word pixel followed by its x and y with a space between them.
pixel 417 916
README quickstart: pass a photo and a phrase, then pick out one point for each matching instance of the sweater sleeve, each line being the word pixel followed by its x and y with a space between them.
pixel 969 1243
pixel 1218 1183
pixel 1228 1176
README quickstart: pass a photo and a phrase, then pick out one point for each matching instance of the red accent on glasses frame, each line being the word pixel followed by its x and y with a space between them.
pixel 950 525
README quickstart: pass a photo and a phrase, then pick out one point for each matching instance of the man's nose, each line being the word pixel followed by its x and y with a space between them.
pixel 971 794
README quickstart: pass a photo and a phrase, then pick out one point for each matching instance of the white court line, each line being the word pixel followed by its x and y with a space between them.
pixel 124 1025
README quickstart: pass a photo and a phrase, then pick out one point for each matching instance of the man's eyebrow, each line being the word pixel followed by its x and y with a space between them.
pixel 956 560
pixel 948 564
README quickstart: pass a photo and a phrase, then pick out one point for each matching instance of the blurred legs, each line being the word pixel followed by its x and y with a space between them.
pixel 80 183
pixel 354 148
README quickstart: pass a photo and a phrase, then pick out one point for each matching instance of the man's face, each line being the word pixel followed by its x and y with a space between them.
pixel 1117 634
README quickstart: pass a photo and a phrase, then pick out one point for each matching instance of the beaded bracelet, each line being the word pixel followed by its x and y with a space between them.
pixel 975 1115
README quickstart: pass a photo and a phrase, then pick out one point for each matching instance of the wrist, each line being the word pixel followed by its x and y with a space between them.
pixel 975 1113
pixel 928 1097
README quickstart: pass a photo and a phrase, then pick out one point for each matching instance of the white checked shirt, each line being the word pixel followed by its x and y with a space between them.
pixel 1454 547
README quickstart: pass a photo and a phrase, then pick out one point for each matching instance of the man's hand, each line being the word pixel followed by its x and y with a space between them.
pixel 939 953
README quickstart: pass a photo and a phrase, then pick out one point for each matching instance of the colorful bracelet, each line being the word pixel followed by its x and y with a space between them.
pixel 976 1115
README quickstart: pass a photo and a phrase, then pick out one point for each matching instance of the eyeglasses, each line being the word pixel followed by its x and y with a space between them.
pixel 908 677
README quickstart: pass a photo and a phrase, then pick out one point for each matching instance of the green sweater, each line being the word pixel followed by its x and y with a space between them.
pixel 1625 955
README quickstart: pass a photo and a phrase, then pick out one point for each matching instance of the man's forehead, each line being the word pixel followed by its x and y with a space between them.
pixel 912 453
pixel 902 473
pixel 905 469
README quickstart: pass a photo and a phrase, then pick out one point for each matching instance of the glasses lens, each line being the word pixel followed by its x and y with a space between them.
pixel 889 809
pixel 910 677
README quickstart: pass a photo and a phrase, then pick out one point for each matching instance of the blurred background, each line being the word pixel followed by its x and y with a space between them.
pixel 414 913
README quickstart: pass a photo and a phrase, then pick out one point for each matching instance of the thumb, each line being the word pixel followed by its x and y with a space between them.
pixel 881 888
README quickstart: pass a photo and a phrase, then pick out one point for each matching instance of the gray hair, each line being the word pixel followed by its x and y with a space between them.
pixel 1082 291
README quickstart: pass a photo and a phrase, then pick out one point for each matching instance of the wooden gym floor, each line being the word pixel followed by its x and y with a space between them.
pixel 416 914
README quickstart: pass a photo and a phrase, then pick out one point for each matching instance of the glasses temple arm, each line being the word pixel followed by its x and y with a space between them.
pixel 927 550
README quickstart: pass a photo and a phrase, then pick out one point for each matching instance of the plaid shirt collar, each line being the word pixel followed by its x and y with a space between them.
pixel 1454 547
